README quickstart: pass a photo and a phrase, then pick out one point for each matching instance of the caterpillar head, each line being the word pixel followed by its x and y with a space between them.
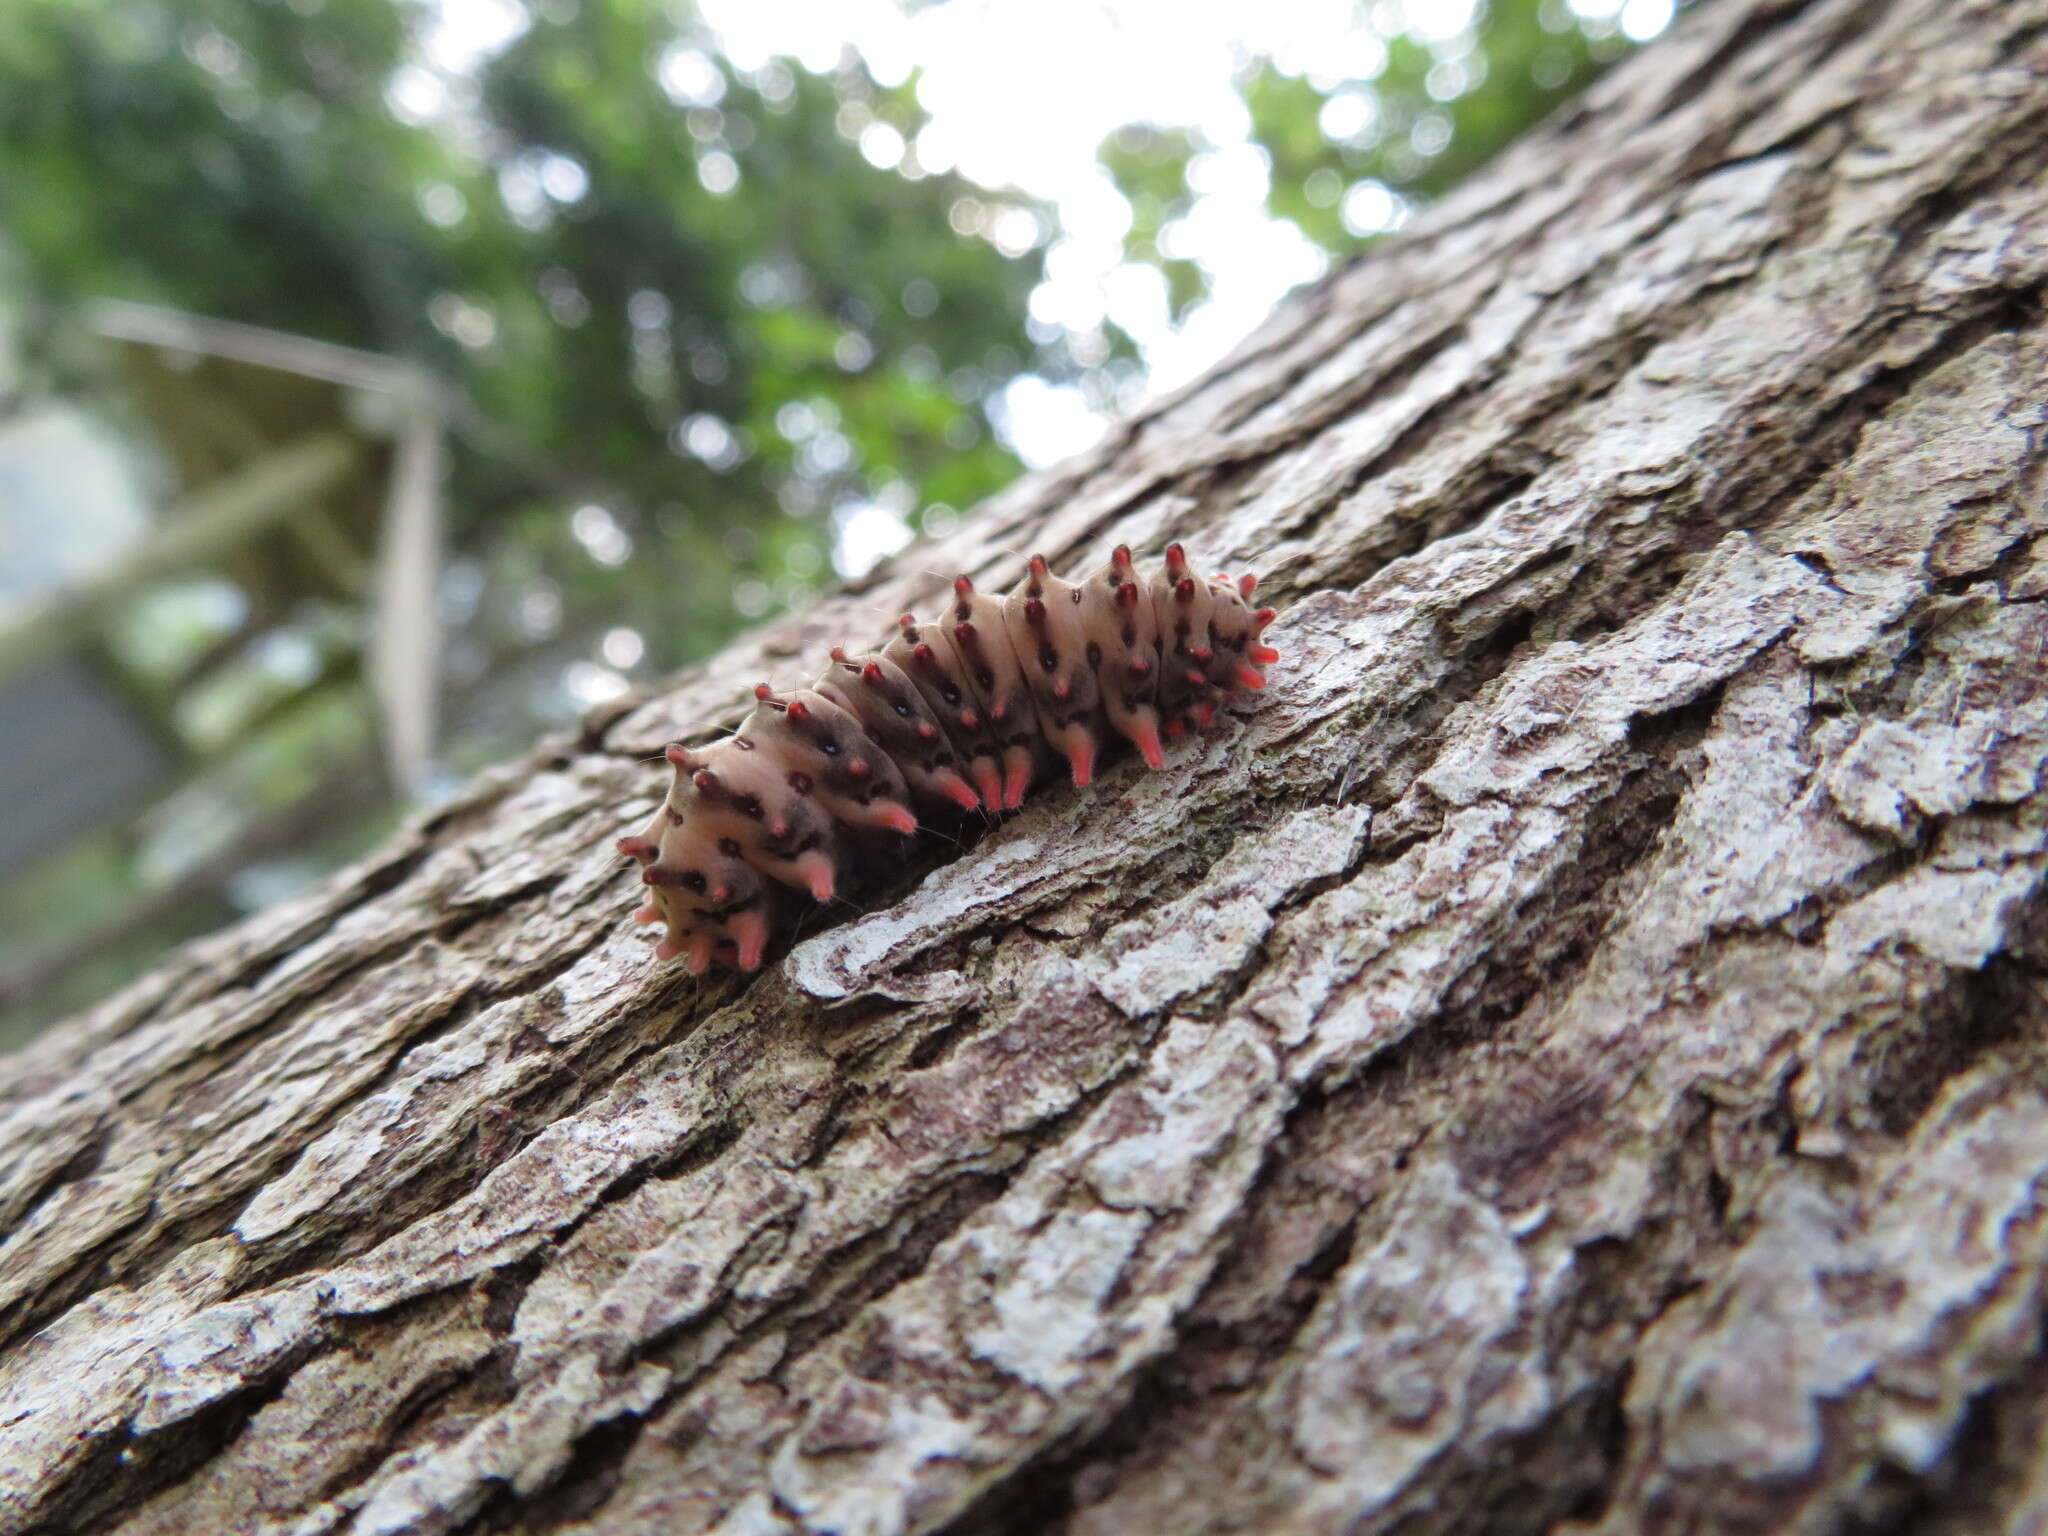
pixel 702 871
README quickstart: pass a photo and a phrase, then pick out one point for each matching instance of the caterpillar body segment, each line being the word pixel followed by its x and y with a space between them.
pixel 956 715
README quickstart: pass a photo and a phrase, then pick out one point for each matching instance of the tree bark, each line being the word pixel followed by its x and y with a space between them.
pixel 1570 1054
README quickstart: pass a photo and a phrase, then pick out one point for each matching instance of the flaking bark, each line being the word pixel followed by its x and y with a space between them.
pixel 1569 1056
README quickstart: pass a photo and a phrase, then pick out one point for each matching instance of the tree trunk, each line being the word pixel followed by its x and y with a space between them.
pixel 1570 1053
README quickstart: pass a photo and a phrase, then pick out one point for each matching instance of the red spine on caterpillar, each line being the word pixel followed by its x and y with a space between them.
pixel 961 714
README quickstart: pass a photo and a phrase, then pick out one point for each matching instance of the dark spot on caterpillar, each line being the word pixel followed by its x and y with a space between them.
pixel 897 779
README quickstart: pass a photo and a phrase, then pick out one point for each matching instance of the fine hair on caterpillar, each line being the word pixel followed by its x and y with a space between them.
pixel 960 714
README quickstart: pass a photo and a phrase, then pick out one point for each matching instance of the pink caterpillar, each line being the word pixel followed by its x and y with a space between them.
pixel 963 714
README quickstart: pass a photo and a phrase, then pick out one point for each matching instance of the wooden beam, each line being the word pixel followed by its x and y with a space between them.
pixel 198 532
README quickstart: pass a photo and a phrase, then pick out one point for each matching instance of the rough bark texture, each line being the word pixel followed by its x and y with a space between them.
pixel 1570 1054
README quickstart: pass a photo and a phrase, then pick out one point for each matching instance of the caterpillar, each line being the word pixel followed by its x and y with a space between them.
pixel 956 716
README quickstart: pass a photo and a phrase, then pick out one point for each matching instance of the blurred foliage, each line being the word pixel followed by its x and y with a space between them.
pixel 1432 112
pixel 1149 165
pixel 630 260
